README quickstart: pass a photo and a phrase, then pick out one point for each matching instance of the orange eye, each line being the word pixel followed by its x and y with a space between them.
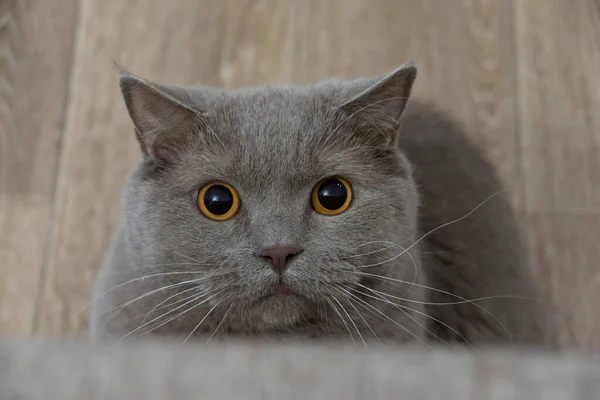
pixel 218 201
pixel 331 196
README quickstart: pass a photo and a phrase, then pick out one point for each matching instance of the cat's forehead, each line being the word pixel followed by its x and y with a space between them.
pixel 274 117
pixel 274 132
pixel 276 137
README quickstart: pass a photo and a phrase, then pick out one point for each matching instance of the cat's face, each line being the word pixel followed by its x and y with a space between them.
pixel 275 200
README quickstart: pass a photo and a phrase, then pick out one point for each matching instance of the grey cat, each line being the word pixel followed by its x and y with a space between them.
pixel 338 210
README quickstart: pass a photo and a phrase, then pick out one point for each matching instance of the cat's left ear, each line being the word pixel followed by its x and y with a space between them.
pixel 381 105
pixel 162 119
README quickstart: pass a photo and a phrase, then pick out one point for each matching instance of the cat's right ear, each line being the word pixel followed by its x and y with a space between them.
pixel 379 107
pixel 162 119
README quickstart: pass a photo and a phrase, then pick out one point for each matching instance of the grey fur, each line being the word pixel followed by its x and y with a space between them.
pixel 412 171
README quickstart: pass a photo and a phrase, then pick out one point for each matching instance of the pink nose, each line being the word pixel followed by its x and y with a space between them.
pixel 279 255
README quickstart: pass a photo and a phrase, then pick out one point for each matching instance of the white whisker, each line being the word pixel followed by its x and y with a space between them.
pixel 169 312
pixel 342 318
pixel 199 323
pixel 364 320
pixel 351 320
pixel 401 307
pixel 141 278
pixel 128 269
pixel 118 308
pixel 370 252
pixel 439 291
pixel 220 323
pixel 434 230
pixel 160 306
pixel 184 256
pixel 450 303
pixel 452 222
pixel 415 267
pixel 364 303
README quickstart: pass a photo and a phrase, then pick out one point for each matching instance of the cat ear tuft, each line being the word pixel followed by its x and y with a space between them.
pixel 381 105
pixel 161 119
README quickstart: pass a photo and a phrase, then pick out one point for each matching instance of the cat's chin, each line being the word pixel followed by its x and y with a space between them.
pixel 279 312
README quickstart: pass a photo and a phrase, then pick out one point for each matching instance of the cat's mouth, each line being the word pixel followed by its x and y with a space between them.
pixel 283 290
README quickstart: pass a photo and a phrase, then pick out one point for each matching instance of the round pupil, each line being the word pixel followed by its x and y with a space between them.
pixel 332 194
pixel 218 199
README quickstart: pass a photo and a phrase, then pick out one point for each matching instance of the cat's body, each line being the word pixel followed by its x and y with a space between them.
pixel 434 207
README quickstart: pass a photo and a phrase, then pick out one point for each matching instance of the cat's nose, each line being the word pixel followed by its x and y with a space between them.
pixel 279 256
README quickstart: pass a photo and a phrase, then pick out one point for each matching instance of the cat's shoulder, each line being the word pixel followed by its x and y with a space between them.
pixel 426 128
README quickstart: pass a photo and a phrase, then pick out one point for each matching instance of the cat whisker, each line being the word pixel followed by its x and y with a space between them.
pixel 184 256
pixel 141 278
pixel 436 229
pixel 415 267
pixel 462 299
pixel 344 292
pixel 402 308
pixel 322 311
pixel 160 305
pixel 450 303
pixel 454 250
pixel 147 314
pixel 163 288
pixel 341 318
pixel 199 323
pixel 173 318
pixel 453 221
pixel 220 323
pixel 368 253
pixel 351 320
pixel 349 297
pixel 404 251
pixel 156 266
pixel 116 310
pixel 363 319
pixel 169 312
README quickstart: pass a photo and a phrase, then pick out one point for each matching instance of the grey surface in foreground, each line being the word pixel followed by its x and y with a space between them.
pixel 77 370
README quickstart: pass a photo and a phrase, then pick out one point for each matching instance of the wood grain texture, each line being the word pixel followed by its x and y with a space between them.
pixel 558 67
pixel 523 76
pixel 558 44
pixel 227 43
pixel 463 51
pixel 36 39
pixel 564 248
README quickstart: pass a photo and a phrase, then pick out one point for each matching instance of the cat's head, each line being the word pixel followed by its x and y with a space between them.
pixel 275 199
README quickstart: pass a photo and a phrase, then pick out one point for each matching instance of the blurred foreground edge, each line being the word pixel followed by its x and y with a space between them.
pixel 35 369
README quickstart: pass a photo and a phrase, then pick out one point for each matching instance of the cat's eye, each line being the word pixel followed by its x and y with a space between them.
pixel 331 196
pixel 218 201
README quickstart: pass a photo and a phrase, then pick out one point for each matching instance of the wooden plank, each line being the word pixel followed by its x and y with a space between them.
pixel 463 50
pixel 226 43
pixel 565 251
pixel 558 46
pixel 151 371
pixel 36 39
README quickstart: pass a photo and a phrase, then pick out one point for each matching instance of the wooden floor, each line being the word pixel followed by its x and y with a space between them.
pixel 523 76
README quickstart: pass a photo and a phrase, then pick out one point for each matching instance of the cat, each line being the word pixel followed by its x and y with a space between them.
pixel 340 210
